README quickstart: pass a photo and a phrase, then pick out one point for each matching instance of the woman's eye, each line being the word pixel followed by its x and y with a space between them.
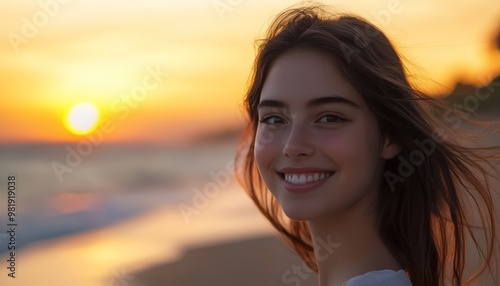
pixel 272 119
pixel 331 118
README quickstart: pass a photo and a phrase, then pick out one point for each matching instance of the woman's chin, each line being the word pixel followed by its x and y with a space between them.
pixel 299 214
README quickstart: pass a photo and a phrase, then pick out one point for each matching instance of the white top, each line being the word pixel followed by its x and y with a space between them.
pixel 386 277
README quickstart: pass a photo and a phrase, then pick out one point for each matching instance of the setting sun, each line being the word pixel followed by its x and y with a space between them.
pixel 82 118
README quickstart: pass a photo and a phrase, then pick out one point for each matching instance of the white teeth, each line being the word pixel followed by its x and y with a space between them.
pixel 300 179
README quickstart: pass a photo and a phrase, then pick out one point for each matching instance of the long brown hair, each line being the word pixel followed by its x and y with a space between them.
pixel 423 201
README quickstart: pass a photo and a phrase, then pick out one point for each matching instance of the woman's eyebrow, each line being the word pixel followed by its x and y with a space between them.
pixel 271 103
pixel 312 103
pixel 331 99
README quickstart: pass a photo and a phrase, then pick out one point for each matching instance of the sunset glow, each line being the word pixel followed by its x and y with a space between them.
pixel 88 51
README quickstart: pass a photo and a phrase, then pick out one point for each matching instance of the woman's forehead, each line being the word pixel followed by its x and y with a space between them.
pixel 303 75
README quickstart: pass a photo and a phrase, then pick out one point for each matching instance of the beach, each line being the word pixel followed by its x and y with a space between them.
pixel 159 248
pixel 143 216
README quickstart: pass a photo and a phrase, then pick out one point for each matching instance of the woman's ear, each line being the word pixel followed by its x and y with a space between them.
pixel 389 149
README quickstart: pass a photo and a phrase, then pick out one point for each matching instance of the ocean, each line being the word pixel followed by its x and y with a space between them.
pixel 64 189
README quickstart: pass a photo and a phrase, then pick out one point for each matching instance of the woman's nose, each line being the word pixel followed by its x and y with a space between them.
pixel 298 143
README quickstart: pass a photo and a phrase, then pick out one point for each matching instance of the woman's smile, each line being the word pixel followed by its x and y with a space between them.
pixel 300 180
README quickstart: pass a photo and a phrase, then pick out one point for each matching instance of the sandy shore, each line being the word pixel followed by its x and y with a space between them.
pixel 129 253
pixel 259 261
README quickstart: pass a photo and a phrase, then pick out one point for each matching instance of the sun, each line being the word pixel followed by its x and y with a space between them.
pixel 82 118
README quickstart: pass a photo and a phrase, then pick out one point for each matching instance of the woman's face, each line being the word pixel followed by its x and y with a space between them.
pixel 317 145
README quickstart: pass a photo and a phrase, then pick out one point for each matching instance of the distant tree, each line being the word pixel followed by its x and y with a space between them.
pixel 465 93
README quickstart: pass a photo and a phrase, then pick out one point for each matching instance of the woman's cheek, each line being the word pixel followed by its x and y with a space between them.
pixel 264 147
pixel 338 145
pixel 265 138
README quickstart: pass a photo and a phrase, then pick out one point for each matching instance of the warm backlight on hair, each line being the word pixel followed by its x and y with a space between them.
pixel 82 118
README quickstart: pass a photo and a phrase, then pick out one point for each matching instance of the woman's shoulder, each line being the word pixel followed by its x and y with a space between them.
pixel 386 277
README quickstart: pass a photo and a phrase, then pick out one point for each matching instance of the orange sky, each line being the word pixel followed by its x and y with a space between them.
pixel 71 51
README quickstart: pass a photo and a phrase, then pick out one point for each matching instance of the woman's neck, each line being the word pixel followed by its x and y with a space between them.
pixel 347 245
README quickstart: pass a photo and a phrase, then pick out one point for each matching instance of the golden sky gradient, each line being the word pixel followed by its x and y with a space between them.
pixel 55 54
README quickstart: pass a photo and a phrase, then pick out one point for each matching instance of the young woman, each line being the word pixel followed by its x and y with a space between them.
pixel 374 190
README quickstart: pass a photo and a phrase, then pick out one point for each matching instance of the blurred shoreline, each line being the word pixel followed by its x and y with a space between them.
pixel 110 184
pixel 138 243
